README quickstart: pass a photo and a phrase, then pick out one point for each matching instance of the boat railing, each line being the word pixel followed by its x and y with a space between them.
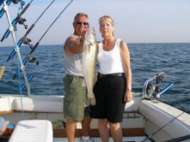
pixel 152 86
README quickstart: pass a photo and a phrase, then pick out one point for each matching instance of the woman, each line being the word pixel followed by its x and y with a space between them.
pixel 113 87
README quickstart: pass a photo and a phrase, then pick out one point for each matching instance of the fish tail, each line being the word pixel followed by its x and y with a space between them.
pixel 93 101
pixel 91 98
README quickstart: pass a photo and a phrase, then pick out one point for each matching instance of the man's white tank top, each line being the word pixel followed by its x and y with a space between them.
pixel 73 64
pixel 110 62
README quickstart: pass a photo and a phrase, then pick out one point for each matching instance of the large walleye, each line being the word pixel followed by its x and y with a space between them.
pixel 89 58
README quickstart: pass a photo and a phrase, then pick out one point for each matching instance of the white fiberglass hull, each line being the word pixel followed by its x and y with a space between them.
pixel 158 120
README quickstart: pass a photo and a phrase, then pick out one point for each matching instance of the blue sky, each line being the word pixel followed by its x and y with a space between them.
pixel 135 20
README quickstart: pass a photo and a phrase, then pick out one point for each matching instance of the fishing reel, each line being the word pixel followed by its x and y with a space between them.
pixel 22 3
pixel 33 60
pixel 17 1
pixel 27 41
pixel 153 87
pixel 19 19
pixel 22 21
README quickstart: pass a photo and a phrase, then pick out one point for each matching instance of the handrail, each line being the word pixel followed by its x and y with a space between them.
pixel 179 139
pixel 152 86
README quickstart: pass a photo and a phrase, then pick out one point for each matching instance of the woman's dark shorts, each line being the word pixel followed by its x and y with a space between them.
pixel 109 92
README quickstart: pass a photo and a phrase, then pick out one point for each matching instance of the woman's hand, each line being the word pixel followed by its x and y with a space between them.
pixel 128 96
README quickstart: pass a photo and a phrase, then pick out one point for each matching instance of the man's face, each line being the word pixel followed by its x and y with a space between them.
pixel 81 25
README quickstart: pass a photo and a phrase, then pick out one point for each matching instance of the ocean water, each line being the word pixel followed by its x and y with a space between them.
pixel 147 60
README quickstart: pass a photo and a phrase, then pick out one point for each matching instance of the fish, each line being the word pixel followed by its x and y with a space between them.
pixel 89 59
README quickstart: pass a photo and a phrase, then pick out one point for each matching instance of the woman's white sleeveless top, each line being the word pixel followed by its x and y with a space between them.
pixel 110 62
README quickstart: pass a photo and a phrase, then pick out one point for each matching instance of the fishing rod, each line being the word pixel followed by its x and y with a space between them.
pixel 20 64
pixel 8 2
pixel 18 20
pixel 24 39
pixel 33 48
pixel 1 2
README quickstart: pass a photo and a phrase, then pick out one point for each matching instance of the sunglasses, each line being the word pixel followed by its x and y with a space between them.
pixel 82 23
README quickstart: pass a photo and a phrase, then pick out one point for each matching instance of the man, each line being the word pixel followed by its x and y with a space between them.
pixel 75 99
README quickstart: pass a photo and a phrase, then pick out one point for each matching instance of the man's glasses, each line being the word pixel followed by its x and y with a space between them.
pixel 82 23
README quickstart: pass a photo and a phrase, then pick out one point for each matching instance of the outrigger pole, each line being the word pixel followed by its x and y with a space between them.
pixel 24 39
pixel 33 48
pixel 46 31
pixel 19 20
pixel 17 50
pixel 8 2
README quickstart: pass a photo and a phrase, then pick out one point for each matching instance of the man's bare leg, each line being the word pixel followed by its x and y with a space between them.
pixel 70 130
pixel 86 126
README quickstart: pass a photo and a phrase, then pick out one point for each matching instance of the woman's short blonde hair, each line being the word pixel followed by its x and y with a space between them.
pixel 106 18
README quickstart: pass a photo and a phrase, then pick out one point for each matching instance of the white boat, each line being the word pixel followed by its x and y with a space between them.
pixel 42 117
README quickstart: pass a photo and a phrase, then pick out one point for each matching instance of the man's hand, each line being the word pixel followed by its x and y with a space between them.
pixel 73 45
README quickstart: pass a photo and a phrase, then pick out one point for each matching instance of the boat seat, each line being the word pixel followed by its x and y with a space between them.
pixel 32 131
pixel 39 104
pixel 6 105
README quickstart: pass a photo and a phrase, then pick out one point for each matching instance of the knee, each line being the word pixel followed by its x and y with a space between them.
pixel 115 126
pixel 103 123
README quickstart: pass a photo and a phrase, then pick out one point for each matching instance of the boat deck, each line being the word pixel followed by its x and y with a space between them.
pixel 97 139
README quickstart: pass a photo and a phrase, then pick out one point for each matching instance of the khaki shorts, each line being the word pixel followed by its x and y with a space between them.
pixel 74 98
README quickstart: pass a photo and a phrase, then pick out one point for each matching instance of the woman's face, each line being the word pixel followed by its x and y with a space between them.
pixel 106 28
